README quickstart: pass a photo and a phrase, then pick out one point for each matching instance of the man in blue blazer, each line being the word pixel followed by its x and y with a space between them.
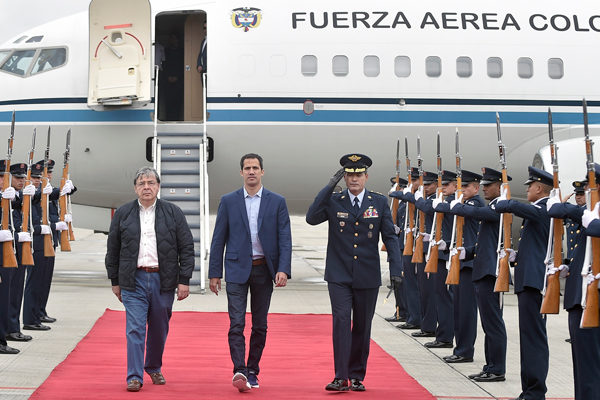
pixel 253 228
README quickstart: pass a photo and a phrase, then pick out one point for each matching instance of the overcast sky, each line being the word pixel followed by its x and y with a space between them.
pixel 19 15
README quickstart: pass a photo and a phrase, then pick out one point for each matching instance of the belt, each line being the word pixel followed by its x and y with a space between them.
pixel 149 269
pixel 259 261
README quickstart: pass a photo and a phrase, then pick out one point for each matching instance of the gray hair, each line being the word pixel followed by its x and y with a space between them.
pixel 146 171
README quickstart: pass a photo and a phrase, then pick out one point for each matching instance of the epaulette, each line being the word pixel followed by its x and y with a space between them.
pixel 373 192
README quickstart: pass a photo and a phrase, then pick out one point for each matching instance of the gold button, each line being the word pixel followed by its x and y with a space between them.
pixel 356 223
pixel 356 234
pixel 355 246
pixel 355 257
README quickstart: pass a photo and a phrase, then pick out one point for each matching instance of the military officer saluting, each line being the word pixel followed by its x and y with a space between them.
pixel 357 217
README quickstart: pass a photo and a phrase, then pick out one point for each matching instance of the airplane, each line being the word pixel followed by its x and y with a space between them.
pixel 302 84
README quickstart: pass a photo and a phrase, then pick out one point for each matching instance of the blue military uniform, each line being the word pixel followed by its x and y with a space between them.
pixel 352 268
pixel 530 271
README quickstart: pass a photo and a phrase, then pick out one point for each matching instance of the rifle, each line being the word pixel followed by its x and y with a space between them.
pixel 433 251
pixel 395 202
pixel 551 302
pixel 64 235
pixel 453 277
pixel 409 221
pixel 418 251
pixel 48 242
pixel 8 259
pixel 26 254
pixel 504 236
pixel 591 264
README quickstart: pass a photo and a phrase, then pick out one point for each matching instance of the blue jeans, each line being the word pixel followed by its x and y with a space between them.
pixel 146 306
pixel 261 288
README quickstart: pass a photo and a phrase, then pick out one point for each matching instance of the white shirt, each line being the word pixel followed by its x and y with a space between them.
pixel 360 196
pixel 252 209
pixel 148 254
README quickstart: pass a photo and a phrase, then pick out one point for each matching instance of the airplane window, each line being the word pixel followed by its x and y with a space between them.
pixel 371 66
pixel 525 67
pixel 18 62
pixel 433 66
pixel 340 65
pixel 34 39
pixel 494 67
pixel 49 59
pixel 556 69
pixel 464 67
pixel 402 66
pixel 3 54
pixel 308 65
pixel 20 39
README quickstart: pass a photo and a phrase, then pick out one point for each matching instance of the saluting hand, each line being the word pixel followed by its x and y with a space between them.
pixel 280 279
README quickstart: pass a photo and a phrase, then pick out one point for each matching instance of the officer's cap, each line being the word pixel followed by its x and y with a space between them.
pixel 468 176
pixel 448 176
pixel 402 182
pixel 18 170
pixel 491 175
pixel 578 187
pixel 355 162
pixel 37 170
pixel 537 175
pixel 414 173
pixel 50 164
pixel 429 177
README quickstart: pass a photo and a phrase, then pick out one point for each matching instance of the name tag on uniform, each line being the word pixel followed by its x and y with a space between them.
pixel 371 213
pixel 342 214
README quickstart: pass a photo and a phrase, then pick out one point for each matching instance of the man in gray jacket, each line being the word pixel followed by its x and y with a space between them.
pixel 149 253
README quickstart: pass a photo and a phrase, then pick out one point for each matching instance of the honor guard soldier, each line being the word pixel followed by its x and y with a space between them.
pixel 585 343
pixel 530 273
pixel 357 218
pixel 571 227
pixel 396 279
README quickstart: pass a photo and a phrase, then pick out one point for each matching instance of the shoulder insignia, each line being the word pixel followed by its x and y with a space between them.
pixel 343 196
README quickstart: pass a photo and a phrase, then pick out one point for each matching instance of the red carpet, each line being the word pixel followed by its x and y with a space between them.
pixel 297 363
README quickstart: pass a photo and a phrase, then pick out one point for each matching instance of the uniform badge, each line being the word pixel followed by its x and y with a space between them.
pixel 371 213
pixel 369 234
pixel 342 214
pixel 370 226
pixel 342 223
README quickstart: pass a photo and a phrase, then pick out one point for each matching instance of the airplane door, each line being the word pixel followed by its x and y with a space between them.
pixel 194 35
pixel 120 53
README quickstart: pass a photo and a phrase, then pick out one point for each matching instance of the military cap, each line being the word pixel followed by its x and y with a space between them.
pixel 18 170
pixel 402 182
pixel 2 166
pixel 355 162
pixel 579 187
pixel 50 164
pixel 597 170
pixel 429 177
pixel 414 173
pixel 37 170
pixel 538 175
pixel 491 175
pixel 448 176
pixel 468 176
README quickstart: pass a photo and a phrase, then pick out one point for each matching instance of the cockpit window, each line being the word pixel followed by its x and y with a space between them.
pixel 19 61
pixel 49 59
pixel 34 39
pixel 3 54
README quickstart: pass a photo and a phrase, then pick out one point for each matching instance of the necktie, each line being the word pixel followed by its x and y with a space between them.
pixel 356 207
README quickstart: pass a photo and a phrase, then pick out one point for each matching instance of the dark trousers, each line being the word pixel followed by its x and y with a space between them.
pixel 465 314
pixel 352 311
pixel 533 344
pixel 48 273
pixel 585 349
pixel 427 299
pixel 443 304
pixel 4 302
pixel 490 312
pixel 34 284
pixel 411 291
pixel 260 284
pixel 17 284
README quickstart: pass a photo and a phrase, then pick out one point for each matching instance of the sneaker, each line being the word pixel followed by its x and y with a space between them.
pixel 253 381
pixel 240 382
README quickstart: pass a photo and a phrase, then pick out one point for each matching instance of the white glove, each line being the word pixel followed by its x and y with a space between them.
pixel 503 193
pixel 397 229
pixel 45 230
pixel 65 190
pixel 436 202
pixel 61 226
pixel 407 189
pixel 5 235
pixel 589 216
pixel 512 255
pixel 426 236
pixel 564 271
pixel 29 190
pixel 24 237
pixel 47 189
pixel 454 202
pixel 462 254
pixel 9 194
pixel 419 193
pixel 553 199
pixel 441 245
pixel 69 183
pixel 68 218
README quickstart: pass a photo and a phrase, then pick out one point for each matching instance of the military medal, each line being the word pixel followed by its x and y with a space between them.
pixel 342 223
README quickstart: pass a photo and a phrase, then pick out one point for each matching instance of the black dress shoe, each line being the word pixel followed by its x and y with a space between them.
pixel 47 319
pixel 457 359
pixel 8 350
pixel 438 345
pixel 488 377
pixel 395 318
pixel 473 376
pixel 338 385
pixel 356 385
pixel 18 337
pixel 423 334
pixel 406 325
pixel 36 327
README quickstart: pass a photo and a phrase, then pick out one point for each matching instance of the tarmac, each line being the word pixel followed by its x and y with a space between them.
pixel 81 293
